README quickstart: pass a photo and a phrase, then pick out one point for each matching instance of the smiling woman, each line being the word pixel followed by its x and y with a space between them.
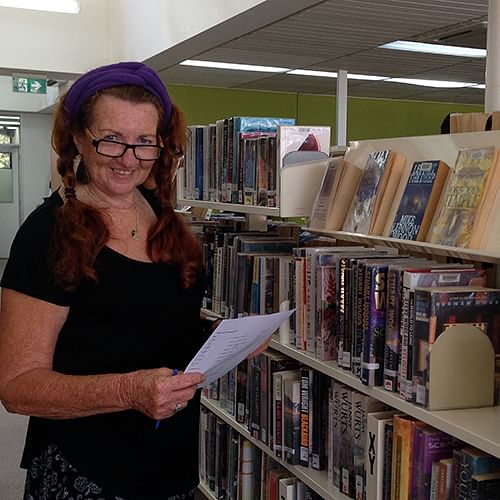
pixel 101 302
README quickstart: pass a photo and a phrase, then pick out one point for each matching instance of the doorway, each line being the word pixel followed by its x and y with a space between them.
pixel 9 196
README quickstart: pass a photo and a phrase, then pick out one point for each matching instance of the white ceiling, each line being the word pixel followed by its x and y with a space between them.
pixel 344 34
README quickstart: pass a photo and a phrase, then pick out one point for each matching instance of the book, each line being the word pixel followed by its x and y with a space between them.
pixel 305 424
pixel 401 479
pixel 318 432
pixel 462 195
pixel 291 419
pixel 485 486
pixel 436 309
pixel 246 483
pixel 374 452
pixel 419 200
pixel 362 406
pixel 367 202
pixel 429 446
pixel 346 449
pixel 473 462
pixel 335 195
pixel 445 481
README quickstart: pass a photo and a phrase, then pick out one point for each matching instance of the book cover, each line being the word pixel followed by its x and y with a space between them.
pixel 360 212
pixel 334 431
pixel 419 200
pixel 299 144
pixel 461 198
pixel 221 471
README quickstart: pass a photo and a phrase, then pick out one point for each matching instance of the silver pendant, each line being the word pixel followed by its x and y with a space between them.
pixel 135 234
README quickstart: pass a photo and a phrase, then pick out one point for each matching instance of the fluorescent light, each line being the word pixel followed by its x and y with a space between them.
pixel 234 66
pixel 432 48
pixel 66 6
pixel 440 84
pixel 374 78
pixel 310 72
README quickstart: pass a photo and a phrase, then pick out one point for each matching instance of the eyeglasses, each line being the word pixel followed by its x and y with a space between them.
pixel 115 149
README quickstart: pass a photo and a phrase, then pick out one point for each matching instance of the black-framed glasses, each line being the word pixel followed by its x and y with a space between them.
pixel 115 149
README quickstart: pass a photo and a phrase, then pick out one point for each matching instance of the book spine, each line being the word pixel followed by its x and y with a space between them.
pixel 388 461
pixel 344 338
pixel 278 414
pixel 319 399
pixel 358 287
pixel 328 333
pixel 374 344
pixel 346 463
pixel 304 416
pixel 392 330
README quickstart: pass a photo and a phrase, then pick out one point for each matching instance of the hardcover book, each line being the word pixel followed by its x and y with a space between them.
pixel 402 457
pixel 419 201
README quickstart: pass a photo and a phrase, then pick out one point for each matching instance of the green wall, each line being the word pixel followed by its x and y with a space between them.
pixel 366 118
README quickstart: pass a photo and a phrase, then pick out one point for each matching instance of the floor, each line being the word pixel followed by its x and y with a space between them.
pixel 12 431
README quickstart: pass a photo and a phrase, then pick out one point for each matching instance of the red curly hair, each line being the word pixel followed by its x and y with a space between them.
pixel 81 231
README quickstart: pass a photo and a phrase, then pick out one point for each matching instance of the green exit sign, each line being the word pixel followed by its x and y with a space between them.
pixel 29 85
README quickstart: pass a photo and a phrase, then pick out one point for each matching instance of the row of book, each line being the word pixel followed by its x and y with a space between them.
pixel 454 207
pixel 237 159
pixel 233 468
pixel 366 450
pixel 374 312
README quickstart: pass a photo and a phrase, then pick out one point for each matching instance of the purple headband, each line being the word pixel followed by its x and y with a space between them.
pixel 114 75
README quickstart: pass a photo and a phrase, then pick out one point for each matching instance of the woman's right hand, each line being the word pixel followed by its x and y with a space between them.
pixel 157 392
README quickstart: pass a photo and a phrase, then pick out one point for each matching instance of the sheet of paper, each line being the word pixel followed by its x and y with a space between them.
pixel 232 341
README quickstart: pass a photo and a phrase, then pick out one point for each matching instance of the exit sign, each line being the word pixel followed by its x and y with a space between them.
pixel 29 85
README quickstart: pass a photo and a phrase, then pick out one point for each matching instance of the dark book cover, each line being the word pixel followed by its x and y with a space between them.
pixel 241 391
pixel 474 461
pixel 485 486
pixel 388 457
pixel 416 200
pixel 221 434
pixel 305 426
pixel 318 433
pixel 291 420
pixel 346 452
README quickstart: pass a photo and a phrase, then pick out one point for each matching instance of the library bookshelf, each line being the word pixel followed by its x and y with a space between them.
pixel 478 427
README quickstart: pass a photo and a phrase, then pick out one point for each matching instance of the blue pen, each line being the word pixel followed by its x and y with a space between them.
pixel 175 371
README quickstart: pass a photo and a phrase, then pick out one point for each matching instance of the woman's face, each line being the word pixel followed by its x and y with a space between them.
pixel 116 119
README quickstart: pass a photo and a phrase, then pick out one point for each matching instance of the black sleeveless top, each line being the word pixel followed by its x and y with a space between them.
pixel 136 317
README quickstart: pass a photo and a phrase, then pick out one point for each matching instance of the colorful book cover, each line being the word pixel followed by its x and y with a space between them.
pixel 430 446
pixel 419 200
pixel 445 481
pixel 374 341
pixel 436 309
pixel 299 144
pixel 462 197
pixel 359 216
pixel 328 341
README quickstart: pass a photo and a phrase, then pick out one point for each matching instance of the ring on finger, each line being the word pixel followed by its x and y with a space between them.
pixel 178 407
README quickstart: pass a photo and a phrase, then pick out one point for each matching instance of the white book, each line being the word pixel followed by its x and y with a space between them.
pixel 374 453
pixel 288 488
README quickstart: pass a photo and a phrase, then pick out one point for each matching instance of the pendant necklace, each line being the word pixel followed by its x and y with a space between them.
pixel 134 232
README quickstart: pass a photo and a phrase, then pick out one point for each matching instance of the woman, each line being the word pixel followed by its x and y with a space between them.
pixel 101 303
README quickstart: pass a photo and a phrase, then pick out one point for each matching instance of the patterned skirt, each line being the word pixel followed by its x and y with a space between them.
pixel 51 477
